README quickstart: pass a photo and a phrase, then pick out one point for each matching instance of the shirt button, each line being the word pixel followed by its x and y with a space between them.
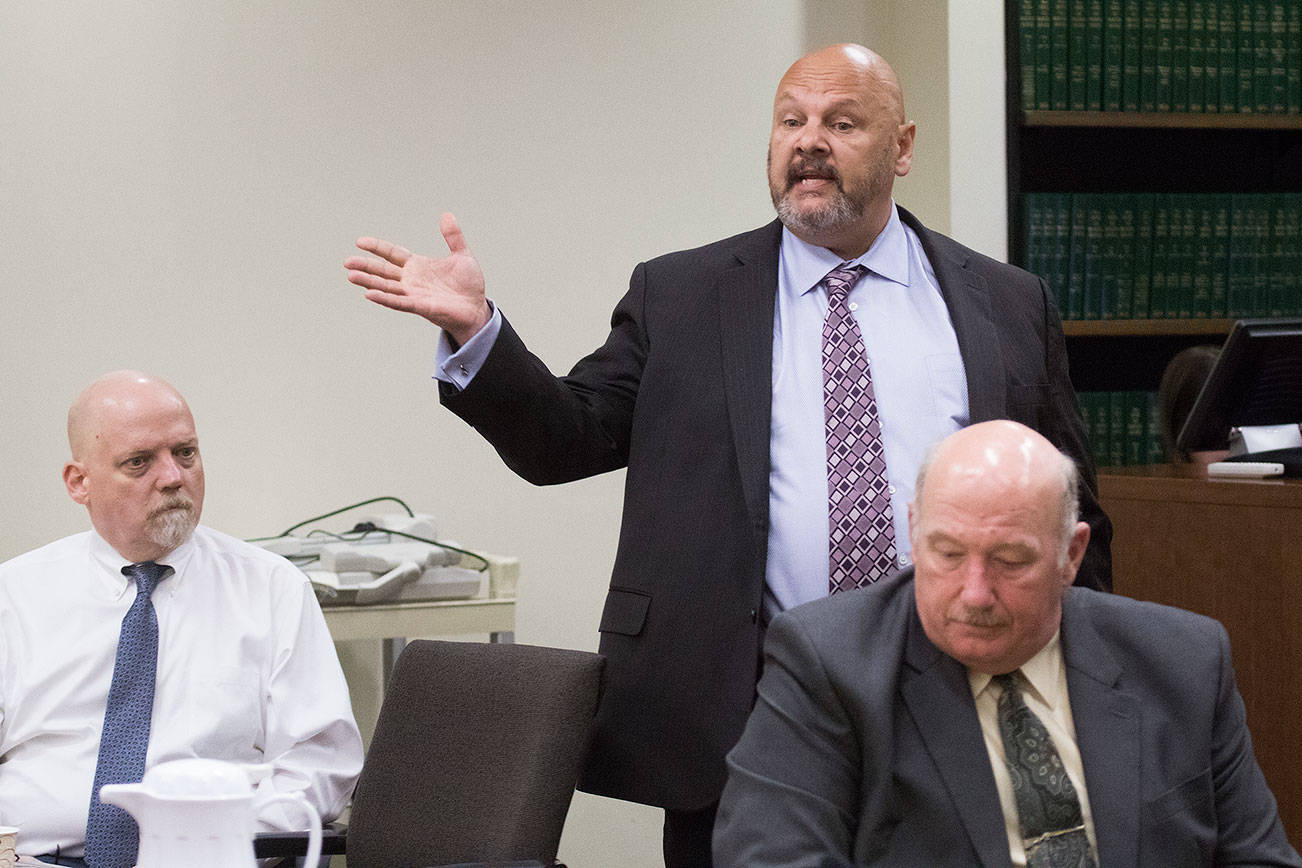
pixel 854 305
pixel 904 560
pixel 891 489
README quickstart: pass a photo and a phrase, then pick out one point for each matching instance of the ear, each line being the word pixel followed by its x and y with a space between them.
pixel 1080 538
pixel 904 142
pixel 74 479
pixel 913 526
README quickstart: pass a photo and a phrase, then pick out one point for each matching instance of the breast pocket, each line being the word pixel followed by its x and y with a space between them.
pixel 1027 403
pixel 226 714
pixel 1181 823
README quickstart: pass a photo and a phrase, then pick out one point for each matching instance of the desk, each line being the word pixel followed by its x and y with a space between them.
pixel 368 639
pixel 1230 549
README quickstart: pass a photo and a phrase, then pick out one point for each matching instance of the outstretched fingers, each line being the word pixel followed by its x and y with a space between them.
pixel 386 250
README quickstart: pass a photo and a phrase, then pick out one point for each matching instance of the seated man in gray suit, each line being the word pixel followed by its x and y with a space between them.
pixel 978 710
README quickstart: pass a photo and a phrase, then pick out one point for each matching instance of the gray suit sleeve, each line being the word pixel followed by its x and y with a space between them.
pixel 1248 828
pixel 793 779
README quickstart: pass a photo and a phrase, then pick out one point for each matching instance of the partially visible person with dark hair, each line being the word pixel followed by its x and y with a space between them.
pixel 1182 380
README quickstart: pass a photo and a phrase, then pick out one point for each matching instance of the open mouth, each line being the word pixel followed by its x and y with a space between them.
pixel 811 176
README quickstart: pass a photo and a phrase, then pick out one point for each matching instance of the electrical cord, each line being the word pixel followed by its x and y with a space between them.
pixel 365 527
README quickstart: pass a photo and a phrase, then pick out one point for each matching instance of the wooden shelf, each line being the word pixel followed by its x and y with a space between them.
pixel 1145 327
pixel 1163 120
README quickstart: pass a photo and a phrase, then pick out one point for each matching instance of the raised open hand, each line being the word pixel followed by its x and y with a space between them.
pixel 448 292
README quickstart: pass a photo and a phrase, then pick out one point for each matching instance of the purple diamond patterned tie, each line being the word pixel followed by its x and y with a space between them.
pixel 861 541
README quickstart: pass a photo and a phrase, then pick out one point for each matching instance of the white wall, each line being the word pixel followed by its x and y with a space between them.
pixel 180 183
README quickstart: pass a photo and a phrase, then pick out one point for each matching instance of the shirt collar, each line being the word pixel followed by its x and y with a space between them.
pixel 110 564
pixel 1040 673
pixel 888 257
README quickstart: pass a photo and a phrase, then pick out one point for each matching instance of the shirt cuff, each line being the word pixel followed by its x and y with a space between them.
pixel 458 367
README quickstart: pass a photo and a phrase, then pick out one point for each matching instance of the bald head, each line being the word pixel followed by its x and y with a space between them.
pixel 996 544
pixel 135 463
pixel 851 64
pixel 839 140
pixel 1009 456
pixel 117 393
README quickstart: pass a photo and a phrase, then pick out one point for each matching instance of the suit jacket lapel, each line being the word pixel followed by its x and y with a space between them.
pixel 1108 722
pixel 936 692
pixel 747 292
pixel 968 299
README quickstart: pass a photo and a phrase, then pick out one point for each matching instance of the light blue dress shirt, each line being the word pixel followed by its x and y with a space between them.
pixel 917 375
pixel 918 379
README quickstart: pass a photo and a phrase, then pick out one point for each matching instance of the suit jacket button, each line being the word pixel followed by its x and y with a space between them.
pixel 753 617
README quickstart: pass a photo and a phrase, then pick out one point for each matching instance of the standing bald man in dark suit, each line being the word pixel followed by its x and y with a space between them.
pixel 710 390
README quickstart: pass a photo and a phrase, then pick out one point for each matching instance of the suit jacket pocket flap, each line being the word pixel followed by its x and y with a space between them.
pixel 625 612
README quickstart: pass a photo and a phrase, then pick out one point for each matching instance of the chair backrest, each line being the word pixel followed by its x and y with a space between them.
pixel 475 755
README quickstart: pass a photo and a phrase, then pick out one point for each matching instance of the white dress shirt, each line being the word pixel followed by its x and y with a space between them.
pixel 1044 690
pixel 246 673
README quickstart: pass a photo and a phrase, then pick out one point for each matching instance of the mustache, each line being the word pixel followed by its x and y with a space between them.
pixel 171 503
pixel 978 618
pixel 802 167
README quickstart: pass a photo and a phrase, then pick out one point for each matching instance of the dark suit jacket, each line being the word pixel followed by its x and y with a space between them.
pixel 680 394
pixel 864 747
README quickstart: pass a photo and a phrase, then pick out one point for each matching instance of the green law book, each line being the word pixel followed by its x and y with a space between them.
pixel 1293 57
pixel 1183 296
pixel 1108 257
pixel 1101 427
pixel 1125 286
pixel 1179 55
pixel 1142 257
pixel 1092 291
pixel 1093 55
pixel 1161 255
pixel 1245 59
pixel 1229 27
pixel 1113 53
pixel 1078 44
pixel 1197 58
pixel 1261 56
pixel 1026 51
pixel 1211 55
pixel 1278 57
pixel 1293 305
pixel 1238 289
pixel 1043 53
pixel 1165 46
pixel 1058 73
pixel 1203 267
pixel 1261 254
pixel 1060 259
pixel 1116 429
pixel 1148 55
pixel 1098 435
pixel 1076 275
pixel 1153 429
pixel 1136 448
pixel 1278 255
pixel 1220 255
pixel 1033 208
pixel 1131 45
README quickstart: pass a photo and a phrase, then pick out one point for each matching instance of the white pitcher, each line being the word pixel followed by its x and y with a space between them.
pixel 199 813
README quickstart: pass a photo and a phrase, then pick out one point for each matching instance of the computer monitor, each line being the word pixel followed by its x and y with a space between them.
pixel 1257 381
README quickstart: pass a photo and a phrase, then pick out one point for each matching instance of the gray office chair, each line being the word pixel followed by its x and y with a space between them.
pixel 475 755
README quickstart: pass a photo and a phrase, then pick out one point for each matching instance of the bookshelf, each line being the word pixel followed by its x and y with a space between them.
pixel 1245 147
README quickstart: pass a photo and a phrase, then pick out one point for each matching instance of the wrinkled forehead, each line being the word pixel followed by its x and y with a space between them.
pixel 814 81
pixel 122 427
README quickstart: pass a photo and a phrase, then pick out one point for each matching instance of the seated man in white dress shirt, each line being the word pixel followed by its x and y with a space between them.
pixel 245 668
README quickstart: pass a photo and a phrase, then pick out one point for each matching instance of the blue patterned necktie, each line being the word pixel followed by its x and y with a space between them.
pixel 861 525
pixel 1048 811
pixel 111 835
